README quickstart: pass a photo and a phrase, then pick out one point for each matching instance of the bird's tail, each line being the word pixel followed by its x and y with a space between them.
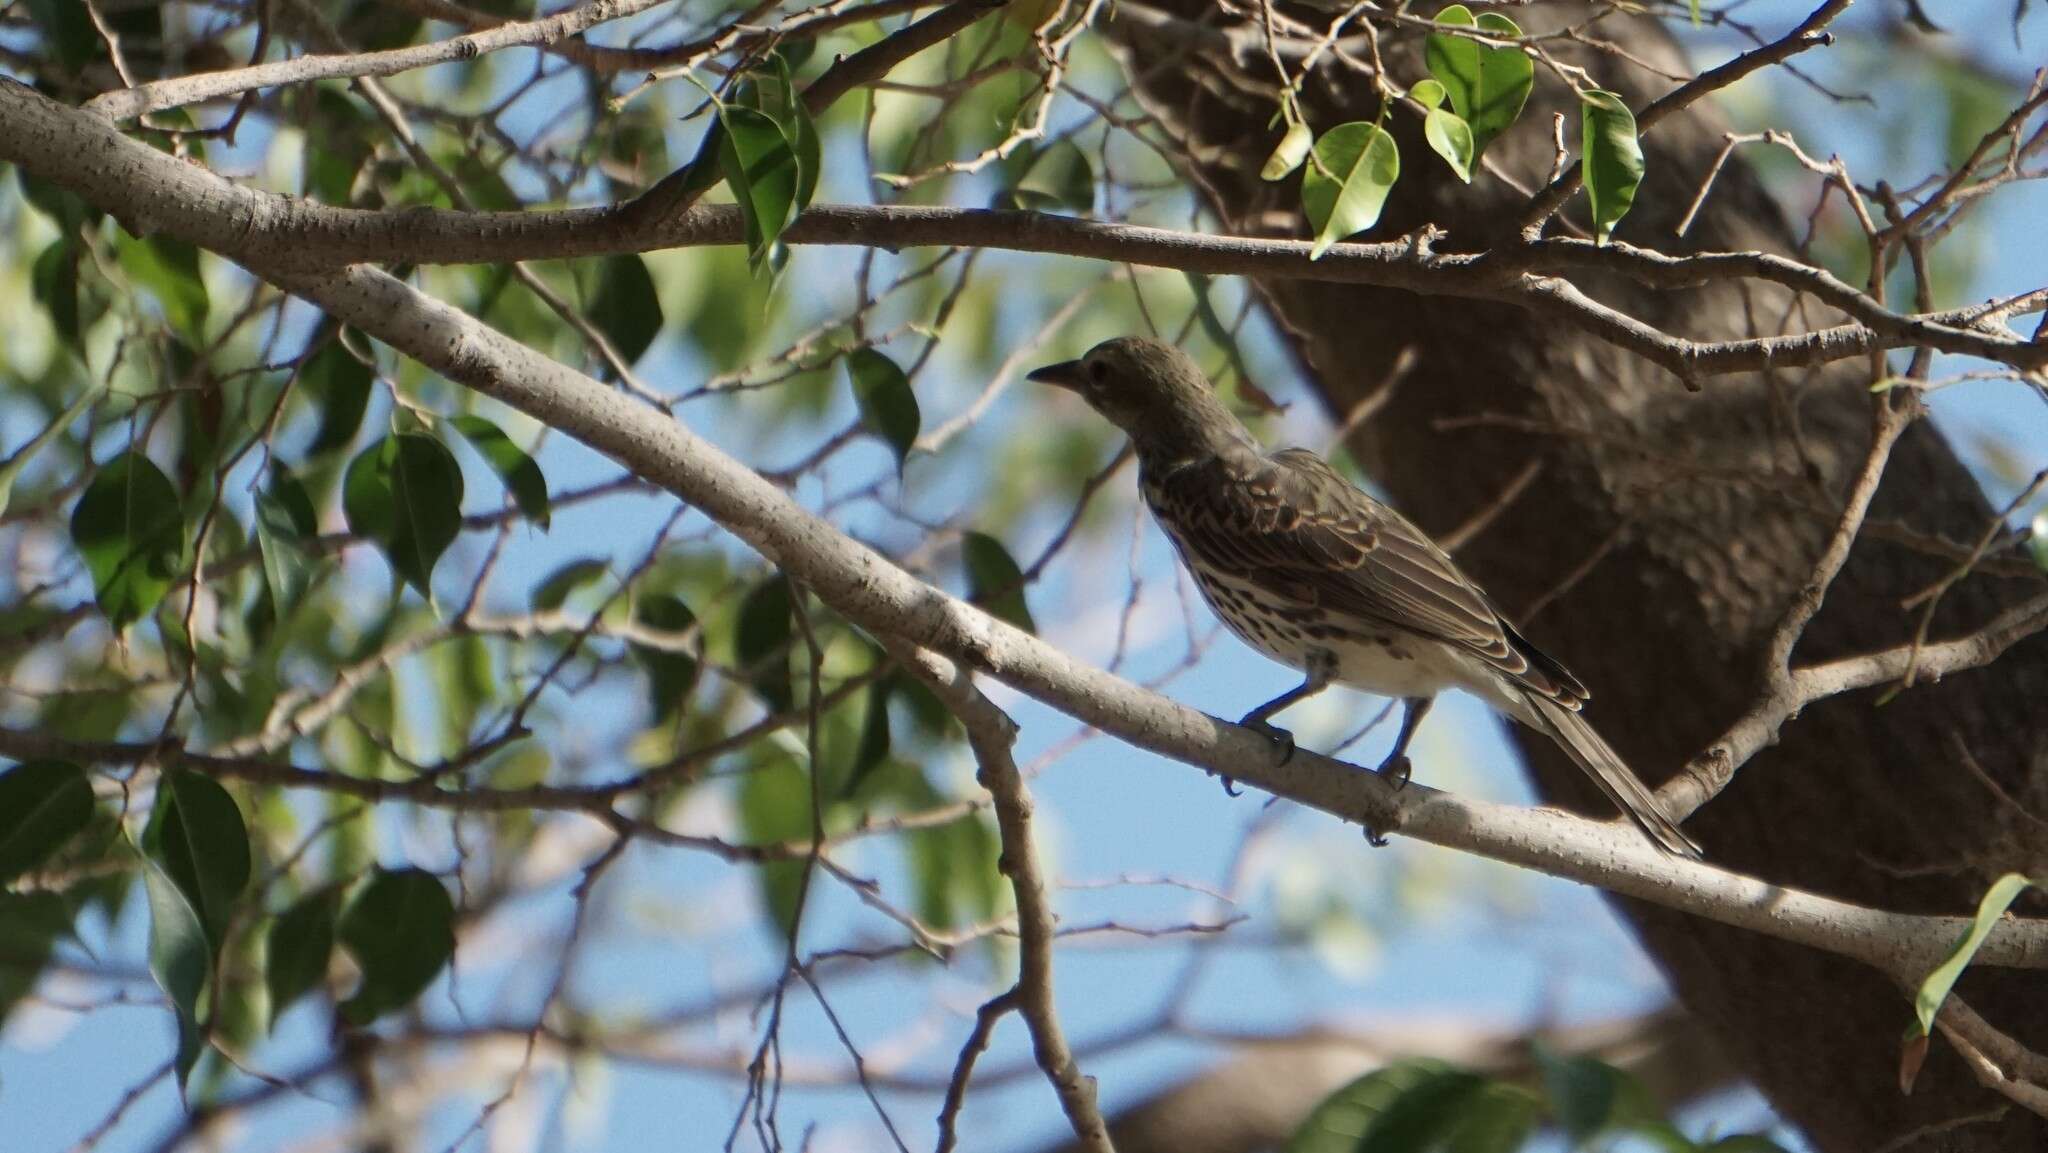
pixel 1610 772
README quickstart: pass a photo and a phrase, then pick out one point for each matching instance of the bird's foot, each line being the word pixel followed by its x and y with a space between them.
pixel 1397 769
pixel 1375 838
pixel 1281 738
pixel 1230 788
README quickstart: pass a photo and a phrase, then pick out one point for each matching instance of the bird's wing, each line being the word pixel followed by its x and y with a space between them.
pixel 1295 522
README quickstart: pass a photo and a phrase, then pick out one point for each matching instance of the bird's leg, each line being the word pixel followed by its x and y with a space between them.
pixel 1316 680
pixel 1396 766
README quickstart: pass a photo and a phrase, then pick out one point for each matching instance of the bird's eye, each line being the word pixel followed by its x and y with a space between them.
pixel 1098 373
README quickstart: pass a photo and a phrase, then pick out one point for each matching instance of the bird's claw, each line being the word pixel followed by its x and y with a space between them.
pixel 1281 738
pixel 1398 770
pixel 1230 788
pixel 1375 838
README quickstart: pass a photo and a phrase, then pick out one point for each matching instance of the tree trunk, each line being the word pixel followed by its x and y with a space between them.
pixel 1684 523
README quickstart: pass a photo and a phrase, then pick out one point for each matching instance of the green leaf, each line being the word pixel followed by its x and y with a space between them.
pixel 68 34
pixel 30 924
pixel 1487 86
pixel 340 385
pixel 519 472
pixel 285 521
pixel 1613 161
pixel 10 469
pixel 761 169
pixel 54 280
pixel 799 129
pixel 761 642
pixel 1057 177
pixel 554 592
pixel 197 836
pixel 400 928
pixel 405 493
pixel 1427 92
pixel 875 742
pixel 1744 1143
pixel 300 943
pixel 888 406
pixel 1345 184
pixel 1934 989
pixel 169 269
pixel 1496 1118
pixel 1582 1091
pixel 180 958
pixel 774 806
pixel 131 532
pixel 42 805
pixel 1405 1107
pixel 994 581
pixel 2039 544
pixel 1450 138
pixel 1290 152
pixel 625 306
pixel 670 674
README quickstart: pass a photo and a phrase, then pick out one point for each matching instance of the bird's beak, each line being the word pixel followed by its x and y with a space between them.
pixel 1066 374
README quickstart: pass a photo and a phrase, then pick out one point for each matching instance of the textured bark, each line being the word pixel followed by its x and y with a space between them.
pixel 1706 512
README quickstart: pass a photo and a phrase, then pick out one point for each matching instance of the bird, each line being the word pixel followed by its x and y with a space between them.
pixel 1312 571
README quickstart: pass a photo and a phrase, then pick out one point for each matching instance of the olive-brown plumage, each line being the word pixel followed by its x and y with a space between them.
pixel 1312 571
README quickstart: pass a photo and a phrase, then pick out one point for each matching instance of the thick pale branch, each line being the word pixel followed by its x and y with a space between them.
pixel 128 103
pixel 865 588
pixel 149 190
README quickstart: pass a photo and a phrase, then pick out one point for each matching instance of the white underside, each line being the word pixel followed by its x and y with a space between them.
pixel 1407 667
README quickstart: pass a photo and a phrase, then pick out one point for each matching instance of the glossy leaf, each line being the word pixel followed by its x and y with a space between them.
pixel 798 128
pixel 11 468
pixel 405 493
pixel 1744 1143
pixel 1349 173
pixel 400 928
pixel 1057 178
pixel 994 581
pixel 1487 86
pixel 129 528
pixel 888 405
pixel 1582 1092
pixel 1427 92
pixel 197 836
pixel 54 280
pixel 340 385
pixel 43 804
pixel 670 674
pixel 625 306
pixel 1613 161
pixel 30 925
pixel 1450 138
pixel 875 742
pixel 774 805
pixel 300 945
pixel 1495 1118
pixel 761 642
pixel 169 269
pixel 2039 544
pixel 761 169
pixel 285 522
pixel 1404 1107
pixel 554 592
pixel 1289 153
pixel 1935 986
pixel 180 958
pixel 521 475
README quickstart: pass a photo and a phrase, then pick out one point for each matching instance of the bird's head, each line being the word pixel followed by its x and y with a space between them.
pixel 1153 391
